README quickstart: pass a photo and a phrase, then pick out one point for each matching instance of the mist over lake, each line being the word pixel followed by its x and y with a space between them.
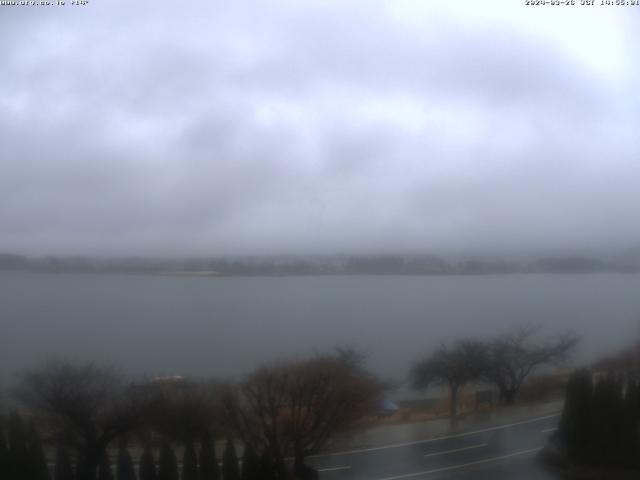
pixel 224 327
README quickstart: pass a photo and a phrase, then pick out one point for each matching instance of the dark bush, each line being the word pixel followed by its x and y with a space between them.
pixel 209 469
pixel 19 460
pixel 125 470
pixel 4 454
pixel 37 460
pixel 147 464
pixel 189 462
pixel 250 464
pixel 168 465
pixel 63 469
pixel 600 424
pixel 230 470
pixel 104 468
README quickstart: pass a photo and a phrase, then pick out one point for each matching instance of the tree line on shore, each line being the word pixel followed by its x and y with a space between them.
pixel 324 265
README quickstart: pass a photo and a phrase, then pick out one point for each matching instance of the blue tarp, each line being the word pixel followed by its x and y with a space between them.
pixel 387 406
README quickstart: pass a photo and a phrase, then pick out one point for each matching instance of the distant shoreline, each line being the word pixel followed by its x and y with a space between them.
pixel 315 265
pixel 204 274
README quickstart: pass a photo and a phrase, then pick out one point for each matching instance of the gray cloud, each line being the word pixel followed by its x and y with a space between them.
pixel 151 128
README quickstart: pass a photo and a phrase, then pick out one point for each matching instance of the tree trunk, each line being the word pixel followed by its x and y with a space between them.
pixel 87 469
pixel 453 406
pixel 508 395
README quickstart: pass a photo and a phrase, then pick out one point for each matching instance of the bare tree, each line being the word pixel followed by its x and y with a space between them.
pixel 453 367
pixel 513 356
pixel 86 406
pixel 296 407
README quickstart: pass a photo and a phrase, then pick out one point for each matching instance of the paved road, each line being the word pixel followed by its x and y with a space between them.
pixel 501 451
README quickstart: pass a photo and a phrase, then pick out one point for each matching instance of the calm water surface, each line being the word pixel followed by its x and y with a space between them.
pixel 225 326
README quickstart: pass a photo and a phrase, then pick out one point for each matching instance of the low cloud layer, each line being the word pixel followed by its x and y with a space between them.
pixel 317 127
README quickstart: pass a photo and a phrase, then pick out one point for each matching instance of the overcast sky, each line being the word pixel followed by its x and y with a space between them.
pixel 206 128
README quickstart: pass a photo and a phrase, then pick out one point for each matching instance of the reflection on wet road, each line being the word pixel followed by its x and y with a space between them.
pixel 506 451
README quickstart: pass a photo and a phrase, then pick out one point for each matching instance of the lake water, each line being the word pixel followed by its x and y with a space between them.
pixel 225 326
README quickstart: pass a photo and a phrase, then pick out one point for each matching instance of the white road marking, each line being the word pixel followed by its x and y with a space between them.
pixel 462 465
pixel 333 469
pixel 436 439
pixel 549 430
pixel 455 450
